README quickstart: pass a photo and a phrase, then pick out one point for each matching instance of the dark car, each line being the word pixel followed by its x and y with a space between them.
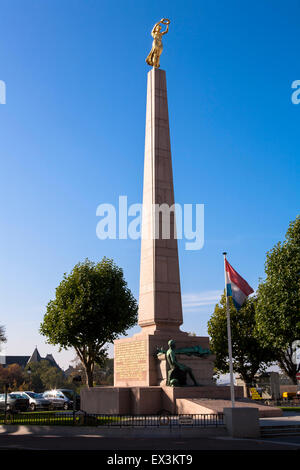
pixel 62 398
pixel 15 402
pixel 36 401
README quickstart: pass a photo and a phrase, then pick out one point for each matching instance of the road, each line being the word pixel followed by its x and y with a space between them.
pixel 94 442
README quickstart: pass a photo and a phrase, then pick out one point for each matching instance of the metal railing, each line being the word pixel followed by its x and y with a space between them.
pixel 165 420
pixel 118 421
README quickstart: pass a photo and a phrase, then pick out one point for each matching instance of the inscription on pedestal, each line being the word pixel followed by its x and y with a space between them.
pixel 131 360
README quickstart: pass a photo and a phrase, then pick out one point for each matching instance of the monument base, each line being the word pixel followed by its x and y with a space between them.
pixel 136 363
pixel 147 400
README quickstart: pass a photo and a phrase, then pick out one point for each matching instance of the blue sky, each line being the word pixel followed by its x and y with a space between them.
pixel 72 137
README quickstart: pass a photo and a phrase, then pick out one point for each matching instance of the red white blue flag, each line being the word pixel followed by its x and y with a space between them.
pixel 236 286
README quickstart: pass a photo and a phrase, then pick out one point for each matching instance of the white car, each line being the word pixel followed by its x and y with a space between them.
pixel 36 401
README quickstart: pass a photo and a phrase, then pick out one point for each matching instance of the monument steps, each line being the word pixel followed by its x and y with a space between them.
pixel 212 406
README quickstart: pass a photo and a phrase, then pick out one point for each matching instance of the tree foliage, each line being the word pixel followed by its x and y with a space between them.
pixel 2 336
pixel 43 376
pixel 92 307
pixel 249 356
pixel 278 310
pixel 12 375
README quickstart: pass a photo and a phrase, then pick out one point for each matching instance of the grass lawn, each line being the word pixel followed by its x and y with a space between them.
pixel 44 417
pixel 60 418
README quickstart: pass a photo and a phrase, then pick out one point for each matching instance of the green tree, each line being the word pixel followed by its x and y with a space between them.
pixel 249 356
pixel 43 377
pixel 278 310
pixel 92 307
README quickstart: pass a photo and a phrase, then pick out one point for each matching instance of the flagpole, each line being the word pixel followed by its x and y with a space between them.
pixel 229 338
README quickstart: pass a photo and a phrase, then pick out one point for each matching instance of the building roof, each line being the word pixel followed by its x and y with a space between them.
pixel 52 361
pixel 35 356
pixel 8 360
pixel 24 360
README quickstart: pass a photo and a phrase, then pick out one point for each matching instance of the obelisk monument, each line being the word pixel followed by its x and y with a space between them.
pixel 160 296
pixel 160 306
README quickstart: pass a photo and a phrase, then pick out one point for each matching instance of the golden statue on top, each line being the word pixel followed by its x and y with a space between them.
pixel 157 47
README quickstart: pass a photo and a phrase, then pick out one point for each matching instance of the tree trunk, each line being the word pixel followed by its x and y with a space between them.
pixel 288 366
pixel 89 375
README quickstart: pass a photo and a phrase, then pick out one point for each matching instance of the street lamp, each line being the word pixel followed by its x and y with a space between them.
pixel 29 375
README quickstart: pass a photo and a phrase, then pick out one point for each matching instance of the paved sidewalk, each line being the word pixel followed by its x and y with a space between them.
pixel 289 418
pixel 113 432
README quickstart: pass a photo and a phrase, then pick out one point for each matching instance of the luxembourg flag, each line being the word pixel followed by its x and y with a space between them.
pixel 236 286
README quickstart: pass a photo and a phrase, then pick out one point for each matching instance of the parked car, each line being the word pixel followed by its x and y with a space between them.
pixel 15 402
pixel 59 399
pixel 36 401
pixel 69 394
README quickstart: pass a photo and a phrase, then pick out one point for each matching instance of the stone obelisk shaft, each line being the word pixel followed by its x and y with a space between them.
pixel 160 295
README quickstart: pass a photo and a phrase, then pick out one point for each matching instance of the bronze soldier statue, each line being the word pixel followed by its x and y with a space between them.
pixel 177 372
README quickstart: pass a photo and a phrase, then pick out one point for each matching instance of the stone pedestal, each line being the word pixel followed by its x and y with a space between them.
pixel 105 400
pixel 242 422
pixel 136 363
